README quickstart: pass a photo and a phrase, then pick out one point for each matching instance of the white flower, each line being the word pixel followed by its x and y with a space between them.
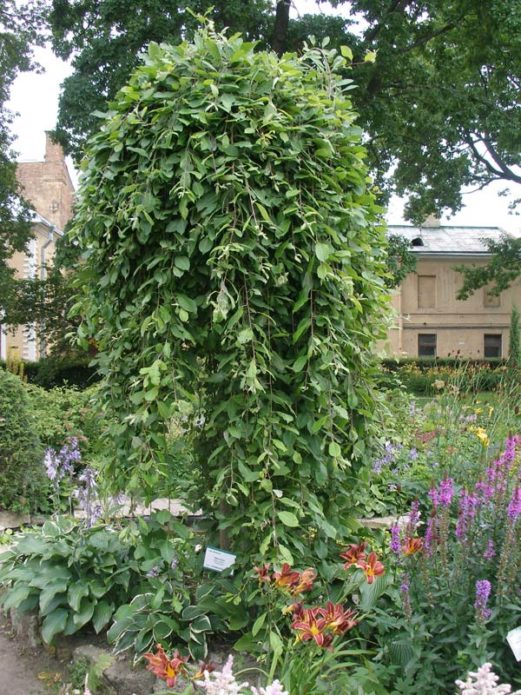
pixel 222 682
pixel 274 689
pixel 484 682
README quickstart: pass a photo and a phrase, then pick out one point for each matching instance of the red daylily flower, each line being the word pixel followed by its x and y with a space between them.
pixel 372 567
pixel 354 555
pixel 163 667
pixel 337 619
pixel 286 577
pixel 412 546
pixel 305 581
pixel 263 573
pixel 311 627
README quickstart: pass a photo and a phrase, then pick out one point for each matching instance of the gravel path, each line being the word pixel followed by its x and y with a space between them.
pixel 19 667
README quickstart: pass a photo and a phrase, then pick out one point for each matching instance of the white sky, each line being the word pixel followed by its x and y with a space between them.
pixel 35 98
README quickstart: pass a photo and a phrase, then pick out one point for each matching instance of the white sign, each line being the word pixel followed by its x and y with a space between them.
pixel 514 640
pixel 218 560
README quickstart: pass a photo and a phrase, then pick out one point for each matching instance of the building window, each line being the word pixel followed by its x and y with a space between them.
pixel 493 345
pixel 426 291
pixel 490 300
pixel 427 345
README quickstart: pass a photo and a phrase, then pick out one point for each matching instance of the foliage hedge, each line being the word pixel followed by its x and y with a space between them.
pixel 22 480
pixel 51 372
pixel 430 376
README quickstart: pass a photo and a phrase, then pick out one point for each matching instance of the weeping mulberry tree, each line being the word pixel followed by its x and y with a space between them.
pixel 233 258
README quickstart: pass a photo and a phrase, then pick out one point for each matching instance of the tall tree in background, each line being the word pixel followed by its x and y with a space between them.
pixel 438 106
pixel 18 33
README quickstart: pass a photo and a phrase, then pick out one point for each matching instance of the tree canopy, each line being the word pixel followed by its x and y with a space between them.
pixel 18 34
pixel 438 106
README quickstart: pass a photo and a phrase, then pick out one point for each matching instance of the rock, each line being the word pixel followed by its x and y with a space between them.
pixel 26 627
pixel 129 680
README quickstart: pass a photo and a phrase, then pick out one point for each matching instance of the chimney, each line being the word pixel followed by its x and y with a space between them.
pixel 53 150
pixel 432 221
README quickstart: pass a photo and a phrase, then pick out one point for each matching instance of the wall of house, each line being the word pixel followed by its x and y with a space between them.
pixel 426 304
pixel 47 185
pixel 21 343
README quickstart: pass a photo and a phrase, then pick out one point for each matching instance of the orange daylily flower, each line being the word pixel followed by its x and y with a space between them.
pixel 305 581
pixel 412 546
pixel 372 567
pixel 203 666
pixel 354 554
pixel 163 667
pixel 296 610
pixel 286 577
pixel 337 619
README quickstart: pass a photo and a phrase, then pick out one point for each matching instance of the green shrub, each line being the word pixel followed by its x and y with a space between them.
pixel 235 258
pixel 62 412
pixel 51 372
pixel 22 480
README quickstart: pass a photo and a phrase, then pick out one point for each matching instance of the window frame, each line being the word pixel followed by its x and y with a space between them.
pixel 433 345
pixel 499 346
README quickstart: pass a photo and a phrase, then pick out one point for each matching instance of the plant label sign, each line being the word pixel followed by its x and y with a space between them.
pixel 514 640
pixel 217 560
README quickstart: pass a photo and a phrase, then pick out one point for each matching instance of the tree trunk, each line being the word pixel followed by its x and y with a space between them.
pixel 280 31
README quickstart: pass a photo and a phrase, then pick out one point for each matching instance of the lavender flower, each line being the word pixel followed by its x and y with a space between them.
pixel 153 573
pixel 514 507
pixel 396 543
pixel 389 453
pixel 483 589
pixel 429 538
pixel 490 551
pixel 52 465
pixel 446 492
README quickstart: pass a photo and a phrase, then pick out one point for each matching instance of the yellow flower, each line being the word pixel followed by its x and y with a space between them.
pixel 481 434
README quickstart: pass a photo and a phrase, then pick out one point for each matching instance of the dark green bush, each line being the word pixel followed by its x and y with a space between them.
pixel 23 484
pixel 426 363
pixel 59 371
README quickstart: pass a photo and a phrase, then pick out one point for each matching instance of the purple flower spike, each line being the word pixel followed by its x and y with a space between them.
pixel 514 508
pixel 483 589
pixel 395 539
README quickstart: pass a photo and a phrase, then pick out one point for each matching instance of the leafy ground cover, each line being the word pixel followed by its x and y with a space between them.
pixel 365 618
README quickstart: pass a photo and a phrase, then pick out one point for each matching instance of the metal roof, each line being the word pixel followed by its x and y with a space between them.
pixel 448 240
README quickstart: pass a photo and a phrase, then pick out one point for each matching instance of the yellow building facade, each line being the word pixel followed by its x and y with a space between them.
pixel 429 320
pixel 47 186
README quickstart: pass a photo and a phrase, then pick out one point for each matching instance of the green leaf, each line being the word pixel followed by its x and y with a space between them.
pixel 186 303
pixel 182 262
pixel 76 592
pixel 15 596
pixel 334 449
pixel 102 615
pixel 53 624
pixel 288 519
pixel 323 251
pixel 84 614
pixel 257 625
pixel 276 643
pixel 346 52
